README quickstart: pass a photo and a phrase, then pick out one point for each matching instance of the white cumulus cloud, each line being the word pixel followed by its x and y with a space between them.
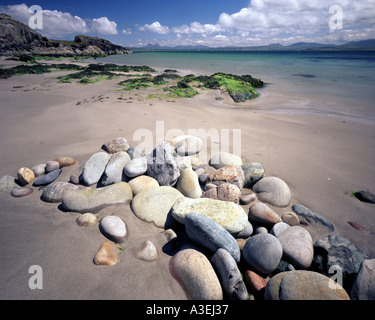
pixel 155 27
pixel 59 24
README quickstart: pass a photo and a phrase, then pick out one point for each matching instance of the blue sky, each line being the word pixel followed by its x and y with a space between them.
pixel 204 22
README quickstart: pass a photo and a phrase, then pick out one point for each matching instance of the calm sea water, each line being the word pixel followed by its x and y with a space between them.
pixel 341 83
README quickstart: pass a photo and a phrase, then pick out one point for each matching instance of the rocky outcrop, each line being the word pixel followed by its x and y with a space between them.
pixel 16 38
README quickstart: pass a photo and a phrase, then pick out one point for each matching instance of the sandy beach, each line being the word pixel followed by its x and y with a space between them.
pixel 322 157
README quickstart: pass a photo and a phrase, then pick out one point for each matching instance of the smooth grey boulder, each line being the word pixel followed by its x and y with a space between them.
pixel 94 168
pixel 56 190
pixel 273 190
pixel 263 252
pixel 210 235
pixel 113 172
pixel 93 200
pixel 135 167
pixel 364 285
pixel 162 166
pixel 229 275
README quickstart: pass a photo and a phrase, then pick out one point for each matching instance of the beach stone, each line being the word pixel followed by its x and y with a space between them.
pixel 260 230
pixel 48 178
pixel 56 190
pixel 245 233
pixel 273 190
pixel 228 192
pixel 39 170
pixel 312 217
pixel 135 152
pixel 106 256
pixel 291 219
pixel 178 139
pixel 189 146
pixel 94 168
pixel 228 214
pixel 297 246
pixel 142 183
pixel 365 196
pixel 246 199
pixel 25 176
pixel 162 166
pixel 93 200
pixel 364 285
pixel 52 166
pixel 255 282
pixel 263 252
pixel 65 162
pixel 279 228
pixel 335 251
pixel 303 285
pixel 114 228
pixel 210 193
pixel 147 252
pixel 223 159
pixel 154 204
pixel 209 186
pixel 114 169
pixel 74 178
pixel 135 167
pixel 183 163
pixel 19 192
pixel 210 235
pixel 229 174
pixel 262 213
pixel 7 183
pixel 253 172
pixel 87 219
pixel 195 274
pixel 116 145
pixel 170 234
pixel 188 184
pixel 229 275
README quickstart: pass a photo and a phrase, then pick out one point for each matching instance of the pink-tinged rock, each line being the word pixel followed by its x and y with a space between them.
pixel 229 174
pixel 195 274
pixel 255 282
pixel 52 166
pixel 228 192
pixel 21 192
pixel 260 212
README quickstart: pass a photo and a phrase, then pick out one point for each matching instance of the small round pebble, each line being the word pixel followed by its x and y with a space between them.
pixel 21 192
pixel 87 219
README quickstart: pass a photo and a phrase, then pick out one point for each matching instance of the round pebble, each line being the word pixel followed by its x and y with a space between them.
pixel 21 192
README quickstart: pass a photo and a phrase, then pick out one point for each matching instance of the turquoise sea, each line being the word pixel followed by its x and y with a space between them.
pixel 333 83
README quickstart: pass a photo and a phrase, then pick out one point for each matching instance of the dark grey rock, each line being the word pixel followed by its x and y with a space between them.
pixel 162 166
pixel 229 276
pixel 312 217
pixel 338 251
pixel 48 178
pixel 263 252
pixel 365 196
pixel 210 235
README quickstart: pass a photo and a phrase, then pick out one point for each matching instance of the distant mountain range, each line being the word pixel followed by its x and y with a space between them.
pixel 299 46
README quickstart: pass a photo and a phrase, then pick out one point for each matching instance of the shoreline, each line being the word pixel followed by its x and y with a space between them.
pixel 322 159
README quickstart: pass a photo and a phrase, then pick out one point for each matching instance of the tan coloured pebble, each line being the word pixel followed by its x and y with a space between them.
pixel 247 198
pixel 147 252
pixel 170 234
pixel 87 219
pixel 25 176
pixel 106 256
pixel 142 183
pixel 291 218
pixel 65 162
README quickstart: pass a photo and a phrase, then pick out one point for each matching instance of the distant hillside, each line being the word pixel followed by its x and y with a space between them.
pixel 299 46
pixel 16 38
